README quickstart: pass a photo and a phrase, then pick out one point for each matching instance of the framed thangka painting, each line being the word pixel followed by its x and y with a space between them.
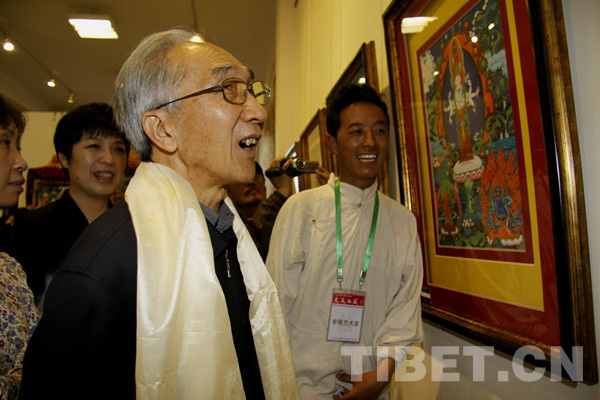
pixel 489 164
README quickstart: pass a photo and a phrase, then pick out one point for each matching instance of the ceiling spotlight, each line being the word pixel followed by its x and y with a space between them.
pixel 71 98
pixel 8 45
pixel 197 38
pixel 93 26
pixel 51 82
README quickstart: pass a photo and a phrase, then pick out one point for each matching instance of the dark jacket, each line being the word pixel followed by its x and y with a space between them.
pixel 261 224
pixel 43 238
pixel 84 345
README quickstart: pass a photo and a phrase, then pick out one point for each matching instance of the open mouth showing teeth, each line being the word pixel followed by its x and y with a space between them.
pixel 248 143
pixel 103 175
pixel 367 157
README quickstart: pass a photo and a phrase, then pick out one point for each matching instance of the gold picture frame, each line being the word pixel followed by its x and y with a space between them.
pixel 537 129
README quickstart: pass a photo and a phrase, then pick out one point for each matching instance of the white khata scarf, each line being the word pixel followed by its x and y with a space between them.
pixel 184 345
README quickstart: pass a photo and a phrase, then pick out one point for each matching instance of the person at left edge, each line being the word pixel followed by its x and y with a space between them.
pixel 165 295
pixel 18 314
pixel 93 153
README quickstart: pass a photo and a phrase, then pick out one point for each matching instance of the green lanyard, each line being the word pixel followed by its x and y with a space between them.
pixel 338 229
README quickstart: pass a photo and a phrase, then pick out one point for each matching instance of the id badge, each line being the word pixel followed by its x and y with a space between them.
pixel 345 317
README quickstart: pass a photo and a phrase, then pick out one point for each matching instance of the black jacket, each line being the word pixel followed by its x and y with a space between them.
pixel 84 345
pixel 41 241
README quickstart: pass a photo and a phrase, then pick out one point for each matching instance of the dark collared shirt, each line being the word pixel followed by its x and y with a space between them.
pixel 227 268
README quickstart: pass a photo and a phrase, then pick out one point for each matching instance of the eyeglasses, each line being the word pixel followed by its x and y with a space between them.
pixel 235 91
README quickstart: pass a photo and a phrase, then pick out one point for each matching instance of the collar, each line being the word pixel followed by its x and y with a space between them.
pixel 222 220
pixel 352 194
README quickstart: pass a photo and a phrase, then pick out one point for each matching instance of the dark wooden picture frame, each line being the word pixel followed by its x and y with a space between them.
pixel 545 163
pixel 312 148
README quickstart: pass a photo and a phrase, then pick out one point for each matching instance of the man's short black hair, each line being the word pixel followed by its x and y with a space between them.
pixel 9 114
pixel 347 96
pixel 94 119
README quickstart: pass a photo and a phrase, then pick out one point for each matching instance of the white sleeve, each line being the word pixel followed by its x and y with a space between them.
pixel 285 260
pixel 402 325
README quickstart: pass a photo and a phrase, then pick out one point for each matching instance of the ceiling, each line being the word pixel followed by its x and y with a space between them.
pixel 46 44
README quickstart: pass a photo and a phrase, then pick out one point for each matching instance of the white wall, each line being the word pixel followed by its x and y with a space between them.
pixel 317 40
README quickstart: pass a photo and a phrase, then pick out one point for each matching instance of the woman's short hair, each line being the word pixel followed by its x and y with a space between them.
pixel 10 114
pixel 94 119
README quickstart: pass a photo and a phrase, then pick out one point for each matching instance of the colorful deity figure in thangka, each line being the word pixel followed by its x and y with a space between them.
pixel 504 221
pixel 460 99
pixel 502 202
pixel 448 204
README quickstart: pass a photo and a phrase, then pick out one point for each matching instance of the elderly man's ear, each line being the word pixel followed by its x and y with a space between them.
pixel 157 129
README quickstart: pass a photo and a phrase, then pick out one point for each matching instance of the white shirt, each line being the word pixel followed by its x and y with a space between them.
pixel 302 262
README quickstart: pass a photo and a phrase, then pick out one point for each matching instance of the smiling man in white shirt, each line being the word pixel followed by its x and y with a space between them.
pixel 325 241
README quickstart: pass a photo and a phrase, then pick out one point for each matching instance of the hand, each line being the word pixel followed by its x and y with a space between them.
pixel 283 182
pixel 369 387
pixel 322 175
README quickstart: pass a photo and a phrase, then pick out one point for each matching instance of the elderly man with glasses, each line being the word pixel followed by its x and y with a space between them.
pixel 165 296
